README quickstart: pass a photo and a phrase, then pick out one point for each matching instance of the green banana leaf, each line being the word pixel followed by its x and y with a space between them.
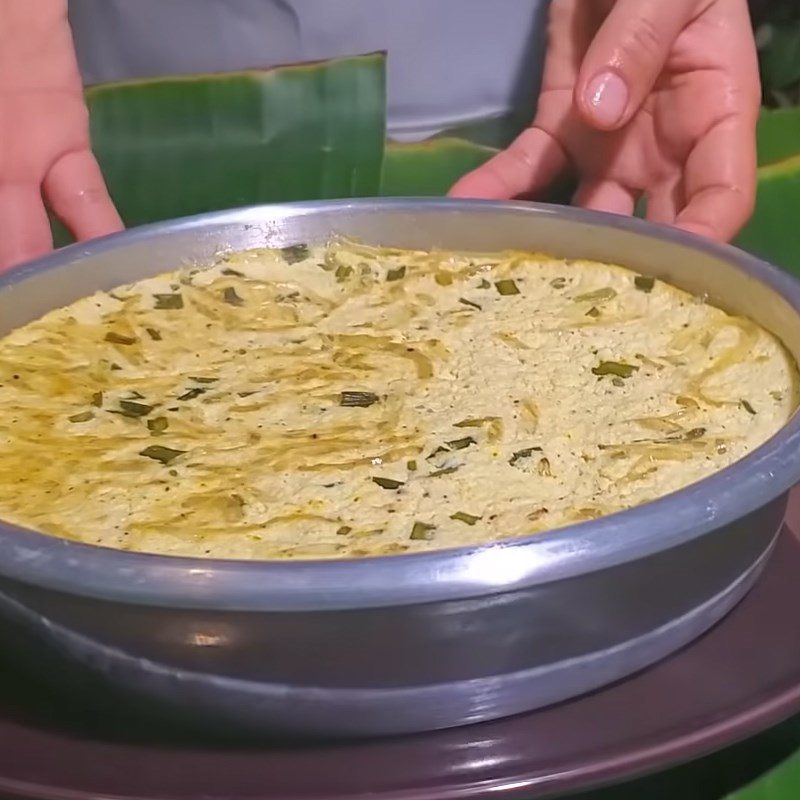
pixel 783 783
pixel 429 168
pixel 171 147
pixel 774 229
pixel 778 135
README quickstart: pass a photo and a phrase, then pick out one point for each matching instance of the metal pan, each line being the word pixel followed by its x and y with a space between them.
pixel 407 643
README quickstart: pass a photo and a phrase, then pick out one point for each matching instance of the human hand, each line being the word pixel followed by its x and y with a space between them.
pixel 642 97
pixel 45 154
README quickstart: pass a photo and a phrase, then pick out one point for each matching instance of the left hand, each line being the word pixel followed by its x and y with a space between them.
pixel 642 97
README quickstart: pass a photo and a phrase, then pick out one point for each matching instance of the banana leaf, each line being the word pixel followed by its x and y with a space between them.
pixel 783 783
pixel 175 146
pixel 778 135
pixel 774 229
pixel 430 167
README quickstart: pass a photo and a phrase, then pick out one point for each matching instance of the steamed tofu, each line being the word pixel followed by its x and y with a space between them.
pixel 350 401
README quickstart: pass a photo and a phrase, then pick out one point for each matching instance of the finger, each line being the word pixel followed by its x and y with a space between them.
pixel 77 194
pixel 664 202
pixel 610 196
pixel 528 166
pixel 24 223
pixel 721 180
pixel 626 57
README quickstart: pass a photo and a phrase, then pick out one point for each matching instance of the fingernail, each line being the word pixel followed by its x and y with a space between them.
pixel 608 97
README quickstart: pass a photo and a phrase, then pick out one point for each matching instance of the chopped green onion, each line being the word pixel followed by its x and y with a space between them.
pixel 163 454
pixel 461 444
pixel 230 297
pixel 396 274
pixel 594 311
pixel 695 433
pixel 445 471
pixel 343 272
pixel 157 425
pixel 84 416
pixel 412 466
pixel 558 283
pixel 190 394
pixel 422 531
pixel 387 483
pixel 118 338
pixel 465 302
pixel 295 253
pixel 130 409
pixel 97 399
pixel 597 296
pixel 614 368
pixel 506 287
pixel 644 283
pixel 154 334
pixel 357 399
pixel 462 516
pixel 168 302
pixel 525 453
pixel 343 530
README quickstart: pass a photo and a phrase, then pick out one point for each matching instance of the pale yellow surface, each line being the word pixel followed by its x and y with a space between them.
pixel 484 415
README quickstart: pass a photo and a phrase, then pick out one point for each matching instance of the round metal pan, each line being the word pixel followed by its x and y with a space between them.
pixel 736 681
pixel 408 643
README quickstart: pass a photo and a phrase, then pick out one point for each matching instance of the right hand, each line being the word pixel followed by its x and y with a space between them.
pixel 45 152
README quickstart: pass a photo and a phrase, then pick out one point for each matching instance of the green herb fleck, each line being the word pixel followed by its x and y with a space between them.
pixel 527 452
pixel 422 531
pixel 154 334
pixel 506 287
pixel 465 302
pixel 396 274
pixel 644 283
pixel 343 272
pixel 558 283
pixel 163 454
pixel 443 278
pixel 118 338
pixel 618 382
pixel 746 405
pixel 230 297
pixel 97 399
pixel 357 399
pixel 195 391
pixel 614 368
pixel 484 284
pixel 387 483
pixel 295 253
pixel 157 425
pixel 343 530
pixel 444 471
pixel 594 312
pixel 597 296
pixel 168 302
pixel 203 380
pixel 128 408
pixel 412 466
pixel 84 416
pixel 462 516
pixel 694 434
pixel 461 444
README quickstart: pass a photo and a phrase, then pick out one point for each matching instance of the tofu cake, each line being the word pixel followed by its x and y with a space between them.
pixel 349 401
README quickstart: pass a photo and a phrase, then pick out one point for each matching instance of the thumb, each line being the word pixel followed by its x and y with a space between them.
pixel 626 57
